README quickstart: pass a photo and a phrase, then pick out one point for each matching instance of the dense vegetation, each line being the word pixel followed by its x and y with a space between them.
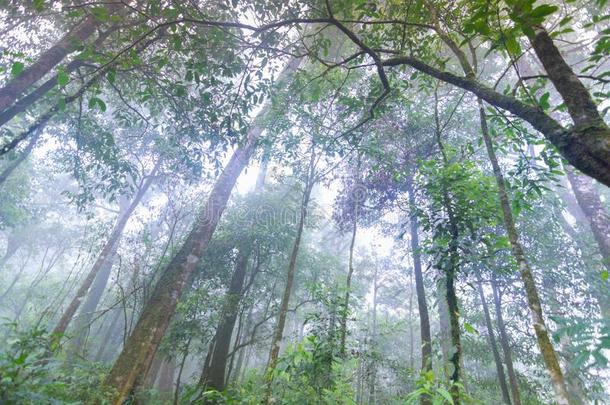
pixel 304 202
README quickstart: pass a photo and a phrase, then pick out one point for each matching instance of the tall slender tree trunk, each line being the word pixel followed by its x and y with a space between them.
pixel 504 343
pixel 216 378
pixel 348 283
pixel 180 370
pixel 283 310
pixel 492 341
pixel 144 341
pixel 451 270
pixel 140 348
pixel 51 57
pixel 372 369
pixel 533 299
pixel 103 262
pixel 422 304
pixel 218 365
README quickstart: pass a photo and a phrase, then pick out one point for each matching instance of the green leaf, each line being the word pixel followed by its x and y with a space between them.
pixel 62 78
pixel 97 102
pixel 544 101
pixel 470 329
pixel 17 68
pixel 100 13
pixel 512 45
pixel 604 275
pixel 38 5
pixel 445 394
pixel 543 10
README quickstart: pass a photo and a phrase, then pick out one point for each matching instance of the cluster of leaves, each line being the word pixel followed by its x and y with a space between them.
pixel 29 376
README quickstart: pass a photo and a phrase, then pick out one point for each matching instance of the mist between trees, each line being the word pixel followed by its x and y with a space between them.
pixel 305 202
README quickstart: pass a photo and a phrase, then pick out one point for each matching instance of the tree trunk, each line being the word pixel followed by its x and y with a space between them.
pixel 166 380
pixel 143 343
pixel 180 370
pixel 544 342
pixel 348 283
pixel 50 58
pixel 596 213
pixel 422 305
pixel 372 371
pixel 591 205
pixel 451 271
pixel 508 357
pixel 224 332
pixel 283 310
pixel 216 378
pixel 12 165
pixel 492 342
pixel 108 339
pixel 25 102
pixel 44 118
pixel 12 245
pixel 100 272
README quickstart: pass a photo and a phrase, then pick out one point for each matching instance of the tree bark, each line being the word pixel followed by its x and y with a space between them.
pixel 143 343
pixel 504 343
pixel 533 299
pixel 224 332
pixel 422 305
pixel 492 342
pixel 51 57
pixel 12 165
pixel 591 205
pixel 100 272
pixel 283 310
pixel 348 282
pixel 27 101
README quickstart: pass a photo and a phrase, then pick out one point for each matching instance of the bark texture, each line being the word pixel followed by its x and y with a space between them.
pixel 545 345
pixel 283 310
pixel 141 346
pixel 422 304
pixel 103 262
pixel 504 342
pixel 50 58
pixel 218 365
pixel 492 342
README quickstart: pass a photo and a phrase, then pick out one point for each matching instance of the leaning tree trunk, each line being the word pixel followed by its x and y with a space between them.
pixel 597 218
pixel 44 118
pixel 545 345
pixel 216 373
pixel 140 348
pixel 103 262
pixel 27 101
pixel 12 165
pixel 51 57
pixel 492 341
pixel 142 344
pixel 424 318
pixel 506 350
